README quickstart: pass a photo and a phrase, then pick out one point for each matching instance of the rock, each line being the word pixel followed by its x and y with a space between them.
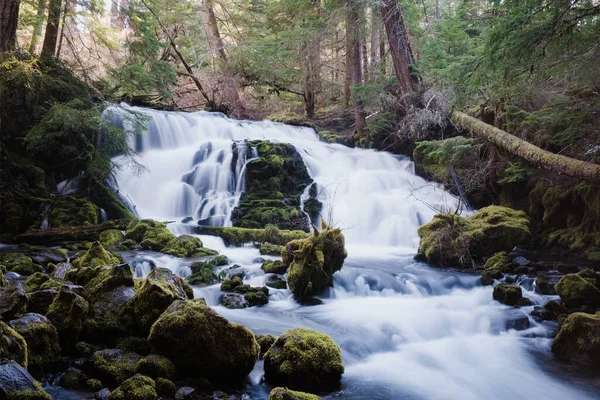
pixel 578 340
pixel 499 262
pixel 229 285
pixel 274 267
pixel 310 301
pixel 165 387
pixel 138 387
pixel 521 261
pixel 95 256
pixel 133 344
pixel 451 240
pixel 276 283
pixel 115 365
pixel 94 384
pixel 555 308
pixel 233 301
pixel 187 246
pixel 489 275
pixel 43 349
pixel 72 379
pixel 257 296
pixel 516 319
pixel 16 383
pixel 14 346
pixel 313 261
pixel 157 291
pixel 567 269
pixel 111 315
pixel 265 342
pixel 545 281
pixel 111 238
pixel 303 359
pixel 72 211
pixel 40 301
pixel 203 274
pixel 102 394
pixel 258 260
pixel 268 249
pixel 591 276
pixel 185 393
pixel 202 343
pixel 67 313
pixel 152 235
pixel 13 300
pixel 576 291
pixel 507 294
pixel 19 263
pixel 156 366
pixel 280 393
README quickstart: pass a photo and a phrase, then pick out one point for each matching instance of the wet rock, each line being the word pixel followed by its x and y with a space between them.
pixel 576 291
pixel 544 283
pixel 257 296
pixel 578 340
pixel 202 343
pixel 258 260
pixel 94 384
pixel 138 387
pixel 67 313
pixel 567 269
pixel 229 285
pixel 265 342
pixel 95 256
pixel 489 275
pixel 111 238
pixel 280 393
pixel 187 246
pixel 19 263
pixel 303 359
pixel 111 315
pixel 311 301
pixel 17 383
pixel 276 283
pixel 13 300
pixel 102 394
pixel 156 366
pixel 521 261
pixel 499 262
pixel 555 309
pixel 43 349
pixel 185 393
pixel 133 344
pixel 274 267
pixel 115 365
pixel 541 314
pixel 507 294
pixel 73 379
pixel 165 387
pixel 268 249
pixel 233 301
pixel 516 319
pixel 13 345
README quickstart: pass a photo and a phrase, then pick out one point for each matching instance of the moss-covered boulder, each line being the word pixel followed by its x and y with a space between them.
pixel 303 359
pixel 41 281
pixel 134 344
pixel 507 294
pixel 94 384
pixel 43 349
pixel 280 393
pixel 230 284
pixel 202 343
pixel 451 240
pixel 265 342
pixel 240 236
pixel 73 379
pixel 72 211
pixel 67 313
pixel 274 267
pixel 268 249
pixel 13 300
pixel 276 283
pixel 95 256
pixel 152 235
pixel 111 315
pixel 40 300
pixel 3 280
pixel 500 262
pixel 158 290
pixel 12 345
pixel 313 261
pixel 115 365
pixel 17 384
pixel 578 340
pixel 165 387
pixel 187 246
pixel 111 238
pixel 576 291
pixel 19 263
pixel 156 366
pixel 138 387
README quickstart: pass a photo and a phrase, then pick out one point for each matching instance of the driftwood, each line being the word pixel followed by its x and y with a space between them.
pixel 70 233
pixel 578 169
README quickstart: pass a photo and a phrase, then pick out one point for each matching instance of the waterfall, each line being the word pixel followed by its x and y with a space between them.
pixel 375 197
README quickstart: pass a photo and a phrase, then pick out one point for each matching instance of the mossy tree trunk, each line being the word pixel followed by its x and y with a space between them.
pixel 38 25
pixel 9 16
pixel 541 158
pixel 51 36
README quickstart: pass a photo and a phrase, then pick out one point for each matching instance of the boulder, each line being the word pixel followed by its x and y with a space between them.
pixel 313 261
pixel 157 291
pixel 106 279
pixel 134 344
pixel 230 284
pixel 72 211
pixel 115 365
pixel 451 240
pixel 16 383
pixel 303 359
pixel 111 315
pixel 138 387
pixel 156 366
pixel 19 263
pixel 67 313
pixel 545 281
pixel 187 246
pixel 233 301
pixel 94 384
pixel 280 393
pixel 507 294
pixel 43 349
pixel 265 342
pixel 202 343
pixel 111 238
pixel 165 387
pixel 516 319
pixel 274 267
pixel 576 291
pixel 13 345
pixel 73 379
pixel 578 340
pixel 276 283
pixel 203 272
pixel 96 255
pixel 499 262
pixel 13 300
pixel 102 394
pixel 152 235
pixel 257 296
pixel 268 249
pixel 39 301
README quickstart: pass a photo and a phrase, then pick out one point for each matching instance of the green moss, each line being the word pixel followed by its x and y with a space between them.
pixel 507 294
pixel 97 255
pixel 201 343
pixel 33 282
pixel 229 285
pixel 19 263
pixel 43 349
pixel 498 262
pixel 256 297
pixel 111 238
pixel 277 283
pixel 165 387
pixel 303 359
pixel 241 236
pixel 134 344
pixel 72 379
pixel 265 342
pixel 578 340
pixel 94 384
pixel 268 249
pixel 13 345
pixel 156 366
pixel 274 267
pixel 575 291
pixel 67 313
pixel 38 394
pixel 3 280
pixel 138 387
pixel 280 393
pixel 290 118
pixel 72 211
pixel 187 246
pixel 115 365
pixel 104 279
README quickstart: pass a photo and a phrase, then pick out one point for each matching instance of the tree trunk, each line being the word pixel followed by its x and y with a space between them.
pixel 402 55
pixel 51 37
pixel 438 15
pixel 354 61
pixel 312 68
pixel 349 56
pixel 212 31
pixel 374 41
pixel 541 158
pixel 88 233
pixel 9 16
pixel 365 58
pixel 37 26
pixel 382 49
pixel 62 28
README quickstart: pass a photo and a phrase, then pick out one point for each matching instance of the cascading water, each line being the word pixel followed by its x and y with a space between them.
pixel 407 331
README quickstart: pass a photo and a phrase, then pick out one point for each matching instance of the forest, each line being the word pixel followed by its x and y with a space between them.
pixel 299 199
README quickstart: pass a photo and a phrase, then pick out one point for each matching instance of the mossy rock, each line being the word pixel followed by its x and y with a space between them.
pixel 507 294
pixel 151 234
pixel 12 345
pixel 201 343
pixel 39 301
pixel 111 315
pixel 165 387
pixel 138 387
pixel 274 267
pixel 187 246
pixel 313 261
pixel 73 379
pixel 280 393
pixel 72 211
pixel 156 366
pixel 134 344
pixel 277 283
pixel 19 263
pixel 95 256
pixel 241 236
pixel 578 340
pixel 111 238
pixel 498 262
pixel 94 384
pixel 115 365
pixel 158 290
pixel 257 296
pixel 43 349
pixel 17 384
pixel 229 285
pixel 265 342
pixel 290 118
pixel 13 300
pixel 104 279
pixel 268 249
pixel 576 291
pixel 303 359
pixel 41 281
pixel 451 240
pixel 67 313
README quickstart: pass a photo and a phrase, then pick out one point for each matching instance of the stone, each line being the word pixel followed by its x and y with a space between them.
pixel 115 365
pixel 39 301
pixel 274 267
pixel 576 291
pixel 67 313
pixel 578 340
pixel 268 249
pixel 280 393
pixel 13 345
pixel 233 301
pixel 13 300
pixel 16 383
pixel 516 319
pixel 156 366
pixel 43 349
pixel 265 342
pixel 138 387
pixel 95 256
pixel 507 294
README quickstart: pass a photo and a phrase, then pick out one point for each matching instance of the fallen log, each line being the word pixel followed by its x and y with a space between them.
pixel 240 236
pixel 578 169
pixel 70 233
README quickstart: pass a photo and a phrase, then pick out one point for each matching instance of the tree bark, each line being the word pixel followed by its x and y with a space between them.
pixel 212 31
pixel 51 36
pixel 374 62
pixel 348 79
pixel 353 59
pixel 382 49
pixel 365 58
pixel 9 17
pixel 312 68
pixel 438 14
pixel 38 25
pixel 70 233
pixel 402 55
pixel 540 158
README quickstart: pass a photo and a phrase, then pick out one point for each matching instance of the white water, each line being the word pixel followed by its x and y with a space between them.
pixel 406 331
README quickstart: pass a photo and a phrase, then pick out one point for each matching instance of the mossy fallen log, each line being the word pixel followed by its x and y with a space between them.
pixel 70 233
pixel 578 169
pixel 240 236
